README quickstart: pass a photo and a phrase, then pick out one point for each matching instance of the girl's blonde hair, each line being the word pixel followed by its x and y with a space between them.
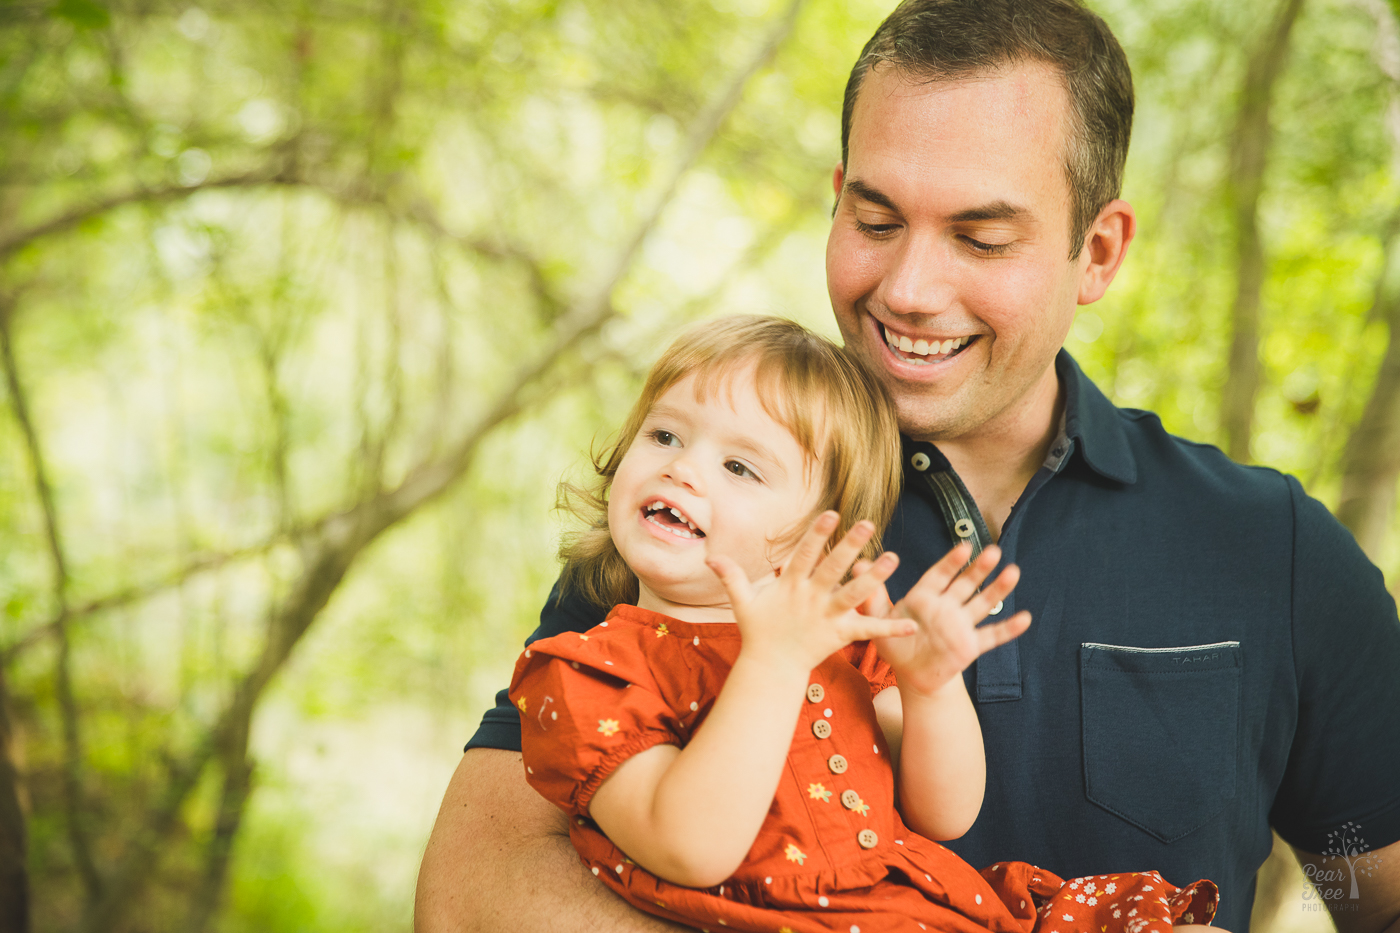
pixel 835 408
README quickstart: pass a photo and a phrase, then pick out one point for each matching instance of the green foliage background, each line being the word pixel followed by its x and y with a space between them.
pixel 265 266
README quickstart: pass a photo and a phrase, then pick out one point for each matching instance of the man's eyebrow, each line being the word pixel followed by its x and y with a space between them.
pixel 866 193
pixel 995 210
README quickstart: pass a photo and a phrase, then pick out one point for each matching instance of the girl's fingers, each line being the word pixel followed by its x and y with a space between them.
pixel 811 545
pixel 999 633
pixel 937 577
pixel 868 581
pixel 732 577
pixel 971 578
pixel 834 566
pixel 865 628
pixel 981 603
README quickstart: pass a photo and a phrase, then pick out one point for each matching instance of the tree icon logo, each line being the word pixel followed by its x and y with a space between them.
pixel 1346 844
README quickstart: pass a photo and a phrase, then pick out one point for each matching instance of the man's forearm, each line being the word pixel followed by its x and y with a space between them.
pixel 499 861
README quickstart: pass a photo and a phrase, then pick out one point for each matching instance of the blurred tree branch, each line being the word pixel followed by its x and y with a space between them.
pixel 329 551
pixel 75 808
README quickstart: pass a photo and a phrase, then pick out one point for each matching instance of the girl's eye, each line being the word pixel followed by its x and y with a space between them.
pixel 664 438
pixel 739 468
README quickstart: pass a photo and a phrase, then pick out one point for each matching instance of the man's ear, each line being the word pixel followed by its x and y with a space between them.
pixel 838 176
pixel 1105 245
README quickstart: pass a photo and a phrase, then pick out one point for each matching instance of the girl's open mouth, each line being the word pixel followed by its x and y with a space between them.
pixel 671 519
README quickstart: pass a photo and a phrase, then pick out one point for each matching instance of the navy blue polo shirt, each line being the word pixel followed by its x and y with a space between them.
pixel 1210 654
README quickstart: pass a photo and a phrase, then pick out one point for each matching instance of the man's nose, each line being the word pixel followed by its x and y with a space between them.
pixel 920 278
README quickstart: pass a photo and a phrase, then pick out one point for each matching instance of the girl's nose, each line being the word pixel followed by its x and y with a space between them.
pixel 682 471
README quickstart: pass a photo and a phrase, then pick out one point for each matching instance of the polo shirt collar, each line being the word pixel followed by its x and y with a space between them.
pixel 1090 420
pixel 1094 423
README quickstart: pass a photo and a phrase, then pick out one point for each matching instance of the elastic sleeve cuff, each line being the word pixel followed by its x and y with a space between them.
pixel 614 759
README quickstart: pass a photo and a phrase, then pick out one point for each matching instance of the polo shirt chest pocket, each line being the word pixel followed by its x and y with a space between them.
pixel 1161 732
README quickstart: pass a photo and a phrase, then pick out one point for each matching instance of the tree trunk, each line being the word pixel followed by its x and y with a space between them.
pixel 1371 461
pixel 1249 155
pixel 14 876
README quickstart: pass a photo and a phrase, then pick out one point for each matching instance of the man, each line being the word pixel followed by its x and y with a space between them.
pixel 1211 654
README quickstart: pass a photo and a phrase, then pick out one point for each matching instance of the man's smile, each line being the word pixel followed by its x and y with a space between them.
pixel 922 351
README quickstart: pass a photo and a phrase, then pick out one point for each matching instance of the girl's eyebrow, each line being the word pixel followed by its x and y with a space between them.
pixel 771 462
pixel 665 411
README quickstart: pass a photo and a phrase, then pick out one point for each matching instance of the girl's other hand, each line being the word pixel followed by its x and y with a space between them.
pixel 877 603
pixel 807 614
pixel 948 606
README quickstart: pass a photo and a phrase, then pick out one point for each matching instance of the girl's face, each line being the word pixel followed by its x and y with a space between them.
pixel 717 476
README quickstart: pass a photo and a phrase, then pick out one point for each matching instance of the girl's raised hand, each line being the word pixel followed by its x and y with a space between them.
pixel 947 606
pixel 807 614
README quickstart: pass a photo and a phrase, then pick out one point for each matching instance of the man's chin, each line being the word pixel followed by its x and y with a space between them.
pixel 931 420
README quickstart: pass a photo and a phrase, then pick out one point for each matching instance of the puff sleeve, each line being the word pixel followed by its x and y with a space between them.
pixel 586 705
pixel 875 669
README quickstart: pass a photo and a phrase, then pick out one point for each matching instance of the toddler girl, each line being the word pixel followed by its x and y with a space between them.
pixel 753 445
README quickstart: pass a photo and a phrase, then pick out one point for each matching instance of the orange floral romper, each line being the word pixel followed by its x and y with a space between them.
pixel 832 854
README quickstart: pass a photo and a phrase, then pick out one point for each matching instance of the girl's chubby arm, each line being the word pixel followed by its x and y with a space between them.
pixel 929 720
pixel 691 815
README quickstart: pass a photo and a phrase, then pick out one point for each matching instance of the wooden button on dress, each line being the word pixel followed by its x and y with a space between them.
pixel 815 693
pixel 821 729
pixel 867 839
pixel 850 799
pixel 837 764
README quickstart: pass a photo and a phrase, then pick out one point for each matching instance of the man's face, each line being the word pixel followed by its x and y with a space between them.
pixel 947 263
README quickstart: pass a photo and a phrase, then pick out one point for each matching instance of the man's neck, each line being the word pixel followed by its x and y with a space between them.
pixel 997 462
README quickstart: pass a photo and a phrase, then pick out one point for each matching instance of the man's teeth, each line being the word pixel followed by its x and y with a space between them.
pixel 677 530
pixel 924 347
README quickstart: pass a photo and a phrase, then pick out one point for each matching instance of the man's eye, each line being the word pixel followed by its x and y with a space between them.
pixel 877 231
pixel 986 249
pixel 739 468
pixel 664 438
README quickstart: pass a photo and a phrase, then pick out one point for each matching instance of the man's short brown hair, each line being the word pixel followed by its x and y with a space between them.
pixel 942 40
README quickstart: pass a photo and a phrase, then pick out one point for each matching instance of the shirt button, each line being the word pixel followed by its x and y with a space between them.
pixel 1001 604
pixel 815 693
pixel 821 728
pixel 963 527
pixel 867 839
pixel 850 799
pixel 837 764
pixel 920 461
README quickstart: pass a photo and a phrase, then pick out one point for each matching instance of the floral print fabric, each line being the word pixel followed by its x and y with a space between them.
pixel 833 853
